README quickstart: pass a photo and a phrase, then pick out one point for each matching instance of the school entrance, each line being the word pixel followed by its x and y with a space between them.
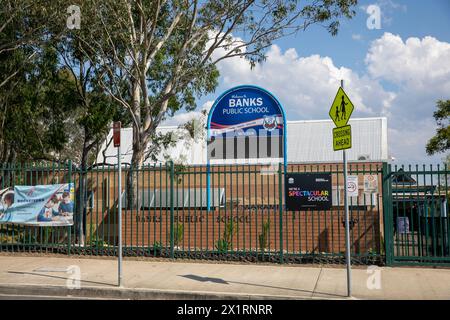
pixel 417 226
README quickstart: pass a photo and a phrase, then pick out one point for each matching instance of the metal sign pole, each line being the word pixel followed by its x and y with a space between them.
pixel 116 134
pixel 120 214
pixel 347 223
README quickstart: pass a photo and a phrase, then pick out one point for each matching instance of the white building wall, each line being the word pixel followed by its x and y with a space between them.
pixel 308 141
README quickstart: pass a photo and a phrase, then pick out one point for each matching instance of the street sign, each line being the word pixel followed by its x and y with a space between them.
pixel 352 186
pixel 342 138
pixel 308 191
pixel 370 183
pixel 341 109
pixel 116 133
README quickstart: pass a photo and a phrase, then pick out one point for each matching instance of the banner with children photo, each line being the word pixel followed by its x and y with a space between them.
pixel 41 205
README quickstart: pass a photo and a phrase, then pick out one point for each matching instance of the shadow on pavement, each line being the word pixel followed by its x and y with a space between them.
pixel 63 278
pixel 203 279
pixel 222 281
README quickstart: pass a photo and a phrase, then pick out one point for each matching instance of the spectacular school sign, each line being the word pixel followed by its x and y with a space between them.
pixel 246 122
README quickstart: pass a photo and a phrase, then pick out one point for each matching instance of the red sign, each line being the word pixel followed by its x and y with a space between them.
pixel 116 133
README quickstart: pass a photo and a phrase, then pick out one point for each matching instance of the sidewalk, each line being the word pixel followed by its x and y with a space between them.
pixel 150 279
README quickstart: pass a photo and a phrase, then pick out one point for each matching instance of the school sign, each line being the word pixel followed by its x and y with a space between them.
pixel 246 122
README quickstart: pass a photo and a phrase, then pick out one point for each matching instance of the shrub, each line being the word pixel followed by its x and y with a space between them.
pixel 264 236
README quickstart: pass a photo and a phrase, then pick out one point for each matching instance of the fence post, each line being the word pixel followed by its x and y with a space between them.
pixel 280 208
pixel 69 238
pixel 171 211
pixel 387 213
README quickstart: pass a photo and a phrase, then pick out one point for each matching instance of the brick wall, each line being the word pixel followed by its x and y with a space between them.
pixel 252 199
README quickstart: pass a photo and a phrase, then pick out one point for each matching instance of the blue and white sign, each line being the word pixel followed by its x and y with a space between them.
pixel 41 205
pixel 246 122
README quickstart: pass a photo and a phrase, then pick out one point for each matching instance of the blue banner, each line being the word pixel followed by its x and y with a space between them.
pixel 41 205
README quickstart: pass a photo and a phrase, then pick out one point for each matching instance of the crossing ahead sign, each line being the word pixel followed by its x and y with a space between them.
pixel 341 109
pixel 342 138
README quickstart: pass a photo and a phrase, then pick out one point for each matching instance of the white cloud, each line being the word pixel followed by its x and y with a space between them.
pixel 418 68
pixel 181 118
pixel 414 64
pixel 306 85
pixel 357 37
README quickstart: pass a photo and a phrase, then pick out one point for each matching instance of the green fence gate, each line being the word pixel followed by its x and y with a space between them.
pixel 417 226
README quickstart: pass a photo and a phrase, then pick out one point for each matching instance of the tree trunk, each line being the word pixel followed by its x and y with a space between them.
pixel 81 192
pixel 137 159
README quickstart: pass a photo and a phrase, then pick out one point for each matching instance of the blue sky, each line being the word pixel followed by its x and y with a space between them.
pixel 398 71
pixel 412 18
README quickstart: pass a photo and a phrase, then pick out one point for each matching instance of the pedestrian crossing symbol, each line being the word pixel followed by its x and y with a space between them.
pixel 341 109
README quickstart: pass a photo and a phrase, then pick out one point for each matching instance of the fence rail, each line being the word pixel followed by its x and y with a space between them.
pixel 169 217
pixel 419 228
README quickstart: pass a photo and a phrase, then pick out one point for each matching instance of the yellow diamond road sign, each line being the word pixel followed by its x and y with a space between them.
pixel 341 109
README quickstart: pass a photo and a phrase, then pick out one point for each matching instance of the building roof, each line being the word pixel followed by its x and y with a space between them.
pixel 308 141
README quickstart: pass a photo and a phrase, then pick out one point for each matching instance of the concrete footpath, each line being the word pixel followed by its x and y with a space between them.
pixel 152 279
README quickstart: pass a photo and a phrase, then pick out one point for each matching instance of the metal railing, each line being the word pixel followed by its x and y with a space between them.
pixel 168 216
pixel 416 216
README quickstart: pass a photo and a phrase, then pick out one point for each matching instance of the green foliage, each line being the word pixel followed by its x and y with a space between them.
pixel 15 235
pixel 264 236
pixel 178 234
pixel 46 234
pixel 225 243
pixel 98 243
pixel 222 245
pixel 157 246
pixel 43 115
pixel 441 141
pixel 35 108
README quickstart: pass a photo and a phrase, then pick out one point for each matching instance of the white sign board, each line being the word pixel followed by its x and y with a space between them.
pixel 370 183
pixel 352 186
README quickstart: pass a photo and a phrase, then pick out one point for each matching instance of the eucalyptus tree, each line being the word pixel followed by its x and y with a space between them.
pixel 166 51
pixel 25 24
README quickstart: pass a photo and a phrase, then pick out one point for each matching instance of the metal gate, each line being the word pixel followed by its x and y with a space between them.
pixel 417 227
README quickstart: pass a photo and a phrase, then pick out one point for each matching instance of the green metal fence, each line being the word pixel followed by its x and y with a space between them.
pixel 417 225
pixel 169 217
